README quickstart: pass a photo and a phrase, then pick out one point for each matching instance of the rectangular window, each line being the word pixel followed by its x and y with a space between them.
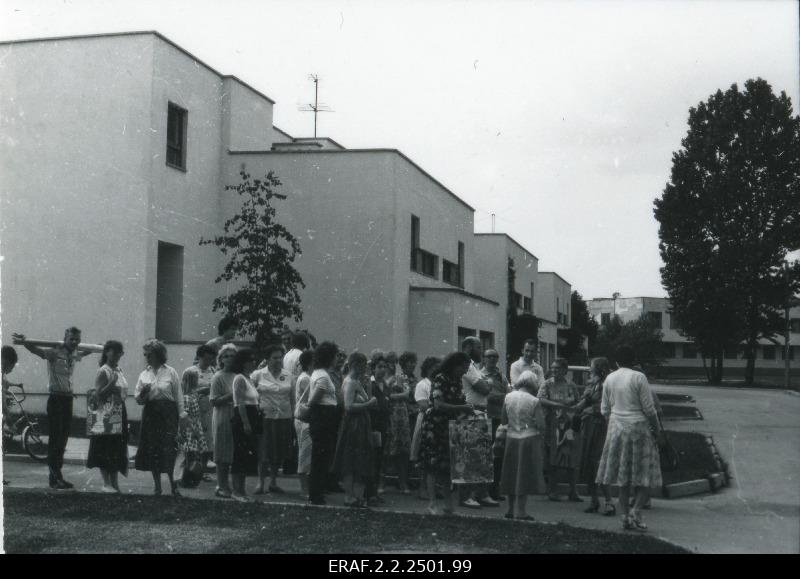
pixel 169 292
pixel 487 340
pixel 673 324
pixel 655 318
pixel 526 304
pixel 689 351
pixel 532 294
pixel 176 136
pixel 605 319
pixel 731 354
pixel 769 352
pixel 450 273
pixel 414 242
pixel 517 300
pixel 428 263
pixel 791 352
pixel 794 324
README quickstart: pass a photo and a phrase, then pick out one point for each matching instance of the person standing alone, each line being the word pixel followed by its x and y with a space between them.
pixel 60 366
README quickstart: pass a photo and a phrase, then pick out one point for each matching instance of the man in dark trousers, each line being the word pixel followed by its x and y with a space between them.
pixel 60 366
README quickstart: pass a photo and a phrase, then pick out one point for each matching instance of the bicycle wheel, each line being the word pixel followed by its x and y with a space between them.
pixel 35 444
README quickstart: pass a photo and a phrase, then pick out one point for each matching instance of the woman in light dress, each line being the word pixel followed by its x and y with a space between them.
pixel 630 458
pixel 422 393
pixel 306 363
pixel 221 399
pixel 523 459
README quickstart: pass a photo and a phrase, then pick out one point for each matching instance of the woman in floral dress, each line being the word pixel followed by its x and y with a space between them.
pixel 447 403
pixel 398 435
pixel 562 443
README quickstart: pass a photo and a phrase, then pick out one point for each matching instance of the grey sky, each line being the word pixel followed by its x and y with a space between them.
pixel 560 117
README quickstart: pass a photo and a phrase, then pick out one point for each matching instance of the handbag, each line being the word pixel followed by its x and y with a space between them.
pixel 103 418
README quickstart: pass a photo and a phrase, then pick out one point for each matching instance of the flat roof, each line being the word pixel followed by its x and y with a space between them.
pixel 347 151
pixel 318 139
pixel 136 33
pixel 558 276
pixel 629 298
pixel 517 243
pixel 456 290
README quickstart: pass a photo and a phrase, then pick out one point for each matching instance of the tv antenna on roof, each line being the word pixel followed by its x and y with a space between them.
pixel 317 107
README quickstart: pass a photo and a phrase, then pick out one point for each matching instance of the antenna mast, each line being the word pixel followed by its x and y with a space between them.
pixel 317 107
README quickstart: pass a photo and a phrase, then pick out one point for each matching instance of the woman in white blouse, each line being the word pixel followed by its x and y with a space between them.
pixel 246 423
pixel 323 403
pixel 422 394
pixel 274 385
pixel 523 459
pixel 630 458
pixel 159 390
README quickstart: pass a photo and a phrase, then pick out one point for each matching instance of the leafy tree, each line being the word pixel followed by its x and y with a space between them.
pixel 261 252
pixel 583 327
pixel 728 216
pixel 643 335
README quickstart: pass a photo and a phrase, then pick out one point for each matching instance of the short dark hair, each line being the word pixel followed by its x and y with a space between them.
pixel 375 358
pixel 625 356
pixel 108 346
pixel 270 348
pixel 300 341
pixel 531 341
pixel 357 360
pixel 429 364
pixel 241 358
pixel 72 330
pixel 306 360
pixel 10 355
pixel 205 350
pixel 406 357
pixel 325 355
pixel 226 324
pixel 452 360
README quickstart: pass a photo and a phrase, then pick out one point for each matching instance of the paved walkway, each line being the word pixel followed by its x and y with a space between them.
pixel 756 431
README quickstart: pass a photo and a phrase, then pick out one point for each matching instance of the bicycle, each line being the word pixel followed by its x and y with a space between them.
pixel 33 441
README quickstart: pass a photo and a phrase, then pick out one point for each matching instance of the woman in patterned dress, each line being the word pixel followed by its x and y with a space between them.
pixel 562 444
pixel 109 452
pixel 447 403
pixel 221 399
pixel 398 434
pixel 593 433
pixel 192 439
pixel 630 457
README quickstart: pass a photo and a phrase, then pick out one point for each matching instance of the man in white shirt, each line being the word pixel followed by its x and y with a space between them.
pixel 527 362
pixel 476 391
pixel 291 360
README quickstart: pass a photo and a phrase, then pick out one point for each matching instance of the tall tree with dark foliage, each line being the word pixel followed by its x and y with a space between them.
pixel 728 216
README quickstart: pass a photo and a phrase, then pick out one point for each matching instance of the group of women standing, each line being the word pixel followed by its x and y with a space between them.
pixel 348 415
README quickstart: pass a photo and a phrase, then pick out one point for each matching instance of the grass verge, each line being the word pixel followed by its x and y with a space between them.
pixel 41 522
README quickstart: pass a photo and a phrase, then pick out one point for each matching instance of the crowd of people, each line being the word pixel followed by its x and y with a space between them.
pixel 347 420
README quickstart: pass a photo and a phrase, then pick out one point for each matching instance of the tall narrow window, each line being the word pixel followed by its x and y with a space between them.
pixel 487 340
pixel 176 136
pixel 414 243
pixel 460 264
pixel 169 292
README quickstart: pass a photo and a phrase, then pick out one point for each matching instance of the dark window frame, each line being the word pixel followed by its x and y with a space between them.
pixel 176 144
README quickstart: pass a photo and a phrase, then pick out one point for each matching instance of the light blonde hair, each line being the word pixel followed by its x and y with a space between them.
pixel 527 380
pixel 222 350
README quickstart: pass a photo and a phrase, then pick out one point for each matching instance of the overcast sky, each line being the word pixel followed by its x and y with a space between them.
pixel 560 117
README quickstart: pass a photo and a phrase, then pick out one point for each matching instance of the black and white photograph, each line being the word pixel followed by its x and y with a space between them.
pixel 404 286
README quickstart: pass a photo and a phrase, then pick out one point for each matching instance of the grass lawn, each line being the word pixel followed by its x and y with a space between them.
pixel 678 412
pixel 695 458
pixel 41 522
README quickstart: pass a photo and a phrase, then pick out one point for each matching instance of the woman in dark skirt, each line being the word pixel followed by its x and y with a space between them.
pixel 447 403
pixel 109 451
pixel 246 423
pixel 353 461
pixel 159 390
pixel 593 431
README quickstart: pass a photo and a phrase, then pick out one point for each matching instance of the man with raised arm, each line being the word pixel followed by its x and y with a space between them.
pixel 60 366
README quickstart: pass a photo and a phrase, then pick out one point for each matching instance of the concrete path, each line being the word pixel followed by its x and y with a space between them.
pixel 756 431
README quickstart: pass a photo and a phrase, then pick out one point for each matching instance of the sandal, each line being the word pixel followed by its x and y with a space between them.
pixel 638 525
pixel 627 522
pixel 593 507
pixel 610 510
